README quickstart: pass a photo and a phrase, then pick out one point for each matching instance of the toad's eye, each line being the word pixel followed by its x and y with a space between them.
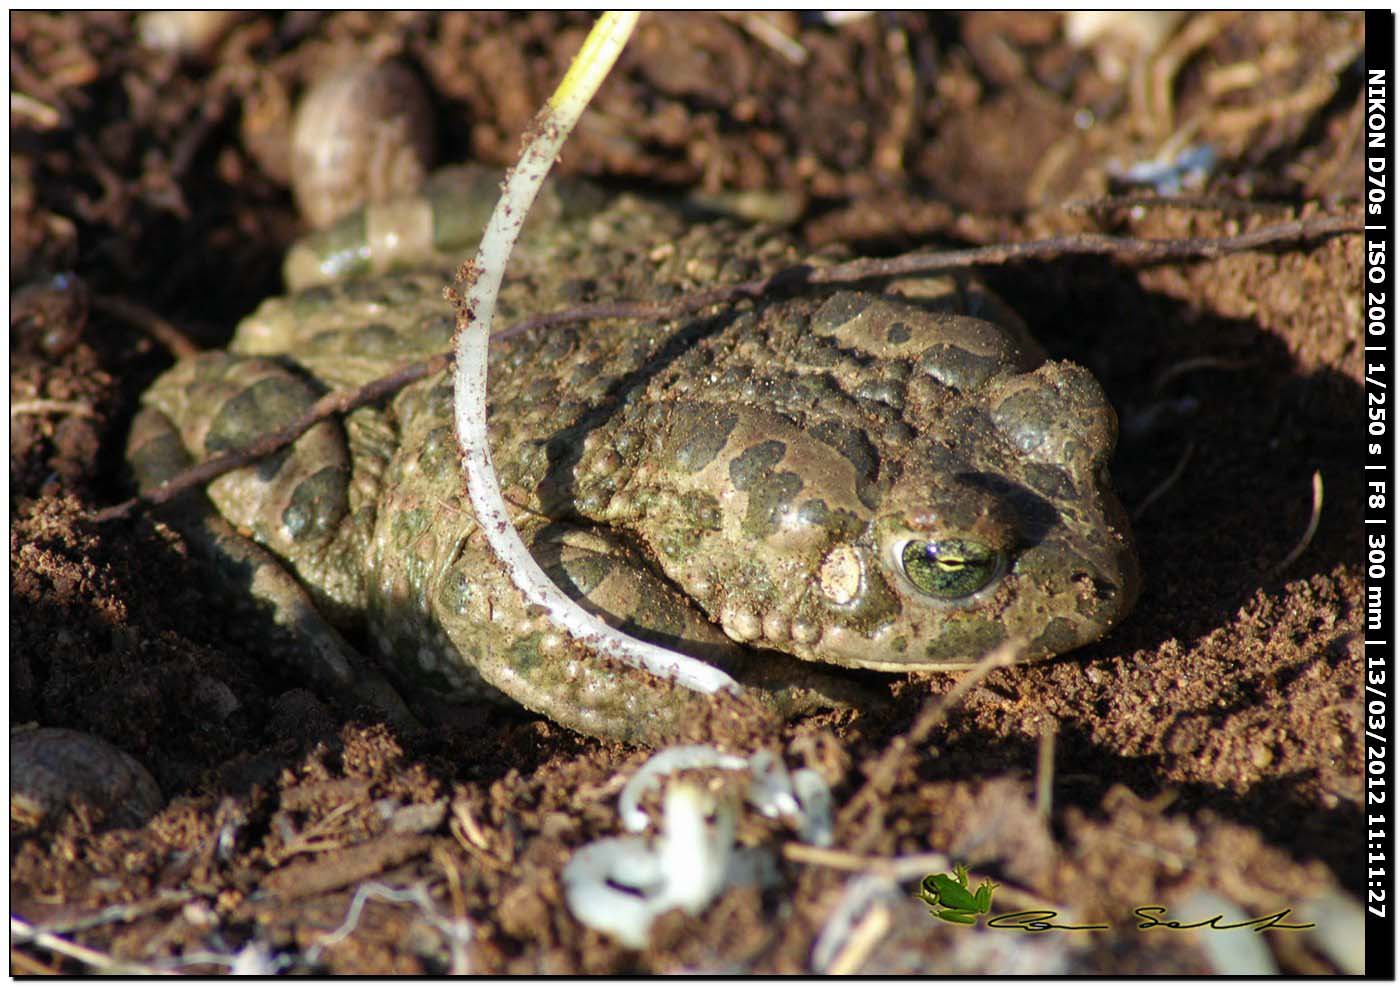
pixel 953 568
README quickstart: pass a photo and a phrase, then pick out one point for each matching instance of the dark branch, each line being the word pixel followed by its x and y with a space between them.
pixel 336 402
pixel 1124 248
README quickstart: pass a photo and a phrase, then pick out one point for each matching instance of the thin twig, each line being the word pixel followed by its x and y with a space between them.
pixel 23 933
pixel 119 913
pixel 1177 472
pixel 160 329
pixel 861 942
pixel 1129 249
pixel 882 777
pixel 1045 771
pixel 1003 655
pixel 897 868
pixel 45 405
pixel 28 81
pixel 1157 113
pixel 336 402
pixel 1197 363
pixel 858 898
pixel 461 957
pixel 1308 533
pixel 25 110
pixel 1192 203
pixel 770 34
pixel 26 965
pixel 1125 248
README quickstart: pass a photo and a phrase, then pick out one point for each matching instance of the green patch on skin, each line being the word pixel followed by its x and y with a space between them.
pixel 836 311
pixel 696 434
pixel 408 524
pixel 375 339
pixel 694 515
pixel 318 504
pixel 584 572
pixel 340 249
pixel 439 451
pixel 841 523
pixel 855 448
pixel 159 459
pixel 770 493
pixel 1059 635
pixel 769 499
pixel 264 407
pixel 955 367
pixel 313 301
pixel 455 593
pixel 962 640
pixel 656 619
pixel 755 462
pixel 525 656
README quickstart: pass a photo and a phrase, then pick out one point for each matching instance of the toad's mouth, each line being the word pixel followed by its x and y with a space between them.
pixel 967 642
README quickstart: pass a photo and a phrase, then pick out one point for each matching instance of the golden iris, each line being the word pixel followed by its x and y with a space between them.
pixel 952 568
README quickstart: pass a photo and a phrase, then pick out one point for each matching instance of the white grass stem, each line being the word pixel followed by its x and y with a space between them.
pixel 546 136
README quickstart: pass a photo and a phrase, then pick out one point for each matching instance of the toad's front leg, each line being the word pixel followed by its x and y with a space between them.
pixel 275 614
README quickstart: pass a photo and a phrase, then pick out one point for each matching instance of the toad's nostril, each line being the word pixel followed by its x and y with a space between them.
pixel 1106 591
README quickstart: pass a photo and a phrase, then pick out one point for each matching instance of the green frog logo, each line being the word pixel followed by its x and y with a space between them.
pixel 950 899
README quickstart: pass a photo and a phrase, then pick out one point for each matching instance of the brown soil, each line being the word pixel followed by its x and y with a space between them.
pixel 1213 742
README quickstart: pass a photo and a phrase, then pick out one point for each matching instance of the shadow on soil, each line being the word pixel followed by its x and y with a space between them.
pixel 1257 427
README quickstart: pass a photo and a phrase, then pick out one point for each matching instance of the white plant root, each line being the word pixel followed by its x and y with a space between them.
pixel 546 136
pixel 620 885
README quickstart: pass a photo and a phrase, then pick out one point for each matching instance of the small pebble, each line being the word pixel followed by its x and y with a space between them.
pixel 52 770
pixel 362 134
pixel 192 33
